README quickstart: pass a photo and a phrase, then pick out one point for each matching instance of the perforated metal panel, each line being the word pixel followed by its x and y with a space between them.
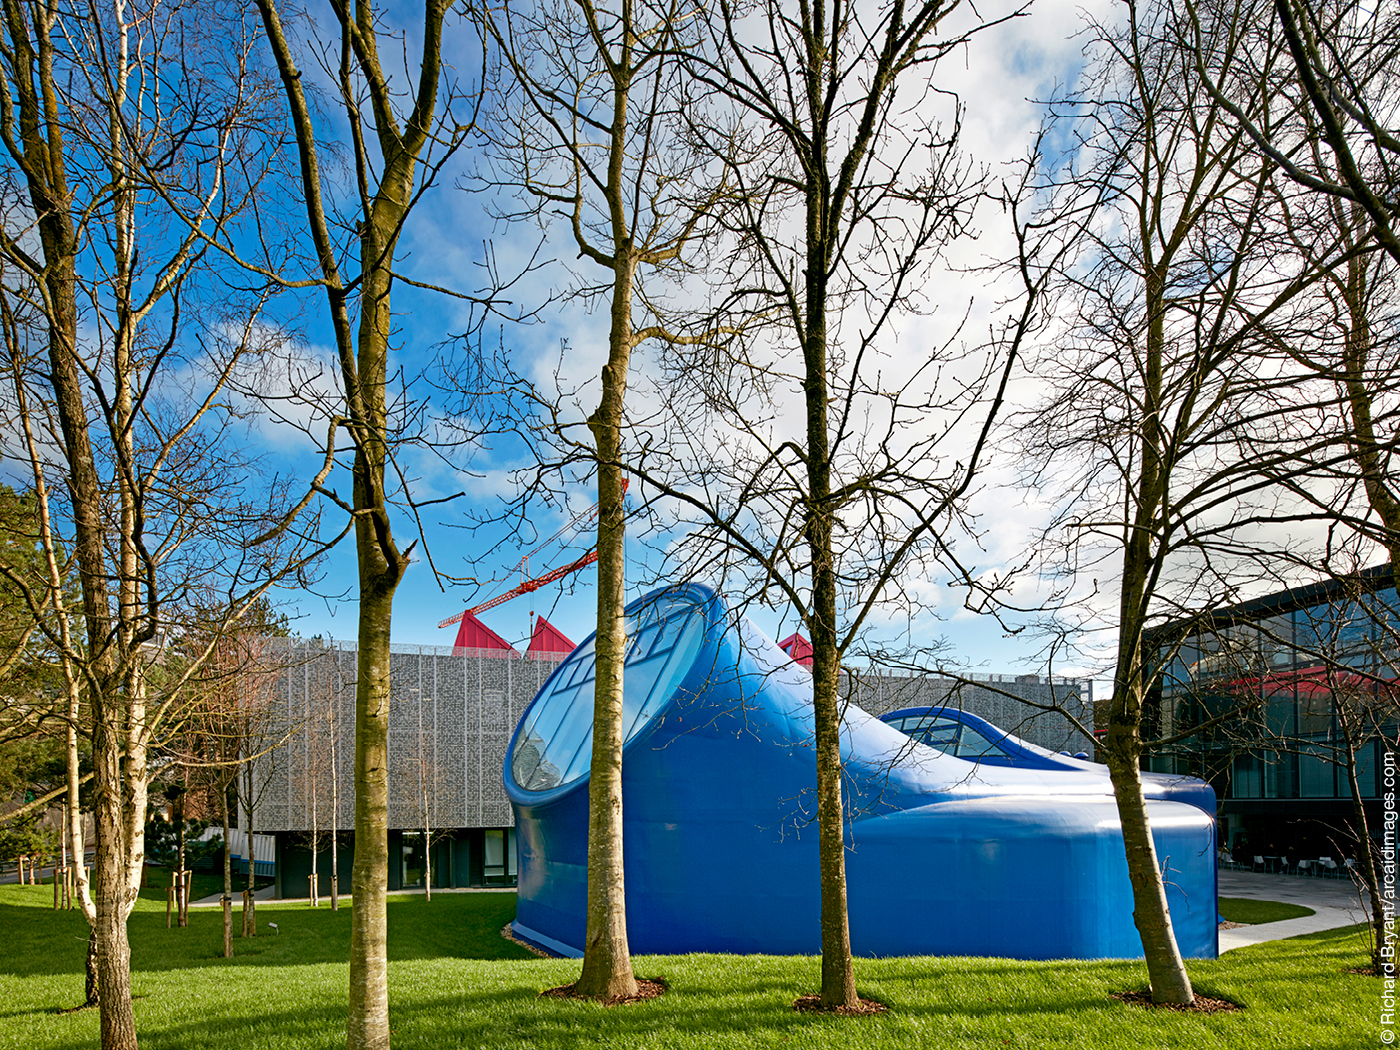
pixel 450 718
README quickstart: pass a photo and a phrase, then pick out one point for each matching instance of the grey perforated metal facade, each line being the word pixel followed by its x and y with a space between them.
pixel 450 718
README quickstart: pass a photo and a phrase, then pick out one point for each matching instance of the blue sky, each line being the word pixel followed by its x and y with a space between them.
pixel 997 78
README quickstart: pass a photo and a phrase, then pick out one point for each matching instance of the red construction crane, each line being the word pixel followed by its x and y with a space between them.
pixel 526 586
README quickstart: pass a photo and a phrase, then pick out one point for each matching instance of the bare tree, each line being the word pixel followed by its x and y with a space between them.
pixel 398 141
pixel 844 183
pixel 118 366
pixel 1174 427
pixel 421 777
pixel 588 133
pixel 1348 352
pixel 1331 94
pixel 1349 706
pixel 316 740
pixel 213 749
pixel 118 363
pixel 1344 56
pixel 1307 683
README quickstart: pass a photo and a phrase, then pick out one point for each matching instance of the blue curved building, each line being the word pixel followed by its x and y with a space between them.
pixel 965 735
pixel 946 856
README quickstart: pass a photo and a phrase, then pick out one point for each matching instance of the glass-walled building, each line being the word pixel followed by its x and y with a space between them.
pixel 1294 695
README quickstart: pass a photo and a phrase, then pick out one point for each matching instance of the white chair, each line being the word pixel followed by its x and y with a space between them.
pixel 1305 867
pixel 1258 863
pixel 1327 866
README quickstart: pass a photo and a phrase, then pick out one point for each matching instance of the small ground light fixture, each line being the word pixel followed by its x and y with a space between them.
pixel 275 929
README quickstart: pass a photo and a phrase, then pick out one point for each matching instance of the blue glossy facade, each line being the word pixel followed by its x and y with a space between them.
pixel 946 856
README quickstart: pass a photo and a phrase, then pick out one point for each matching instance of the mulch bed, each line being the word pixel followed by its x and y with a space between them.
pixel 812 1004
pixel 1204 1004
pixel 646 989
pixel 1228 925
pixel 1368 971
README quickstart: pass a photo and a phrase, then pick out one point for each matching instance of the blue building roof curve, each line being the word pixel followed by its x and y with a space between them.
pixel 992 746
pixel 945 856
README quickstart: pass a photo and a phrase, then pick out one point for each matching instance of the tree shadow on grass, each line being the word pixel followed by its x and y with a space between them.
pixel 514 1015
pixel 735 1000
pixel 41 941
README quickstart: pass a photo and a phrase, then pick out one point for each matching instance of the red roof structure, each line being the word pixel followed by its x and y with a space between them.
pixel 547 638
pixel 798 648
pixel 473 634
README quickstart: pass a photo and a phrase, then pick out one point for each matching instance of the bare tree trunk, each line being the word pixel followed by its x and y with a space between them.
pixel 1165 968
pixel 1122 750
pixel 335 811
pixel 369 971
pixel 91 987
pixel 607 962
pixel 838 972
pixel 311 886
pixel 75 839
pixel 250 921
pixel 181 886
pixel 118 1025
pixel 1366 858
pixel 227 901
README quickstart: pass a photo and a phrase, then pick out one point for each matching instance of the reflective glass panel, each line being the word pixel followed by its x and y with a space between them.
pixel 555 745
pixel 1247 781
pixel 1315 772
pixel 972 744
pixel 1366 770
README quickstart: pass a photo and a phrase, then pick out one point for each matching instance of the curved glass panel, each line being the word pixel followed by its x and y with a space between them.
pixel 555 743
pixel 950 736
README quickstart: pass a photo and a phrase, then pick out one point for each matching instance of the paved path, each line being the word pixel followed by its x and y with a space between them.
pixel 1335 902
pixel 264 894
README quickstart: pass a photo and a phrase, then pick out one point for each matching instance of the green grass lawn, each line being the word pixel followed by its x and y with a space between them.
pixel 1242 909
pixel 455 983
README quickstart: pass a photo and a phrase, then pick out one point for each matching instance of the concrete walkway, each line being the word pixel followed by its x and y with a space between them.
pixel 264 894
pixel 1335 902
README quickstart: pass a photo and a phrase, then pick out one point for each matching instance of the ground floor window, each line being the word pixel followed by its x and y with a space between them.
pixel 499 866
pixel 411 859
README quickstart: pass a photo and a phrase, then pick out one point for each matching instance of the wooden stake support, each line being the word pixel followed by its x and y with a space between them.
pixel 227 902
